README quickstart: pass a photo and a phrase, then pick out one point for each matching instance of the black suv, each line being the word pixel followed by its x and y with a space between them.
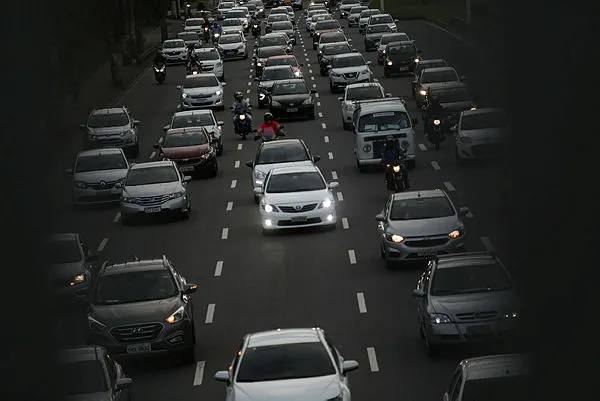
pixel 142 308
pixel 88 372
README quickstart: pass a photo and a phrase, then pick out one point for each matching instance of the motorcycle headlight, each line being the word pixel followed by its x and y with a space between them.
pixel 176 316
pixel 473 108
pixel 394 238
pixel 78 279
pixel 95 325
pixel 262 96
pixel 423 92
pixel 439 318
pixel 417 60
pixel 217 93
pixel 184 95
pixel 217 35
pixel 389 62
pixel 259 64
pixel 80 184
pixel 297 73
pixel 396 169
pixel 242 116
pixel 437 122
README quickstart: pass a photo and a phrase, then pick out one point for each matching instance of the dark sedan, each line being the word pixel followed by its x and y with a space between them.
pixel 400 58
pixel 423 64
pixel 292 98
pixel 374 34
pixel 270 75
pixel 454 97
pixel 330 51
pixel 263 54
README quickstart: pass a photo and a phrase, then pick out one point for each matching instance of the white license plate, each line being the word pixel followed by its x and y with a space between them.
pixel 292 110
pixel 103 192
pixel 137 348
pixel 403 69
pixel 299 219
pixel 186 168
pixel 152 209
pixel 426 252
pixel 479 330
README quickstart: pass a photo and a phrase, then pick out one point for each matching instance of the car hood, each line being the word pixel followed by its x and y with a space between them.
pixel 152 189
pixel 104 396
pixel 296 98
pixel 207 90
pixel 328 43
pixel 102 175
pixel 263 169
pixel 230 46
pixel 402 57
pixel 286 31
pixel 267 84
pixel 232 28
pixel 109 130
pixel 209 62
pixel 191 42
pixel 374 36
pixel 185 151
pixel 309 389
pixel 457 106
pixel 347 70
pixel 501 301
pixel 136 312
pixel 435 85
pixel 66 271
pixel 484 134
pixel 213 130
pixel 297 197
pixel 425 227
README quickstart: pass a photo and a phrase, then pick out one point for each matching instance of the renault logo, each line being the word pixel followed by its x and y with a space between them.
pixel 102 184
pixel 298 207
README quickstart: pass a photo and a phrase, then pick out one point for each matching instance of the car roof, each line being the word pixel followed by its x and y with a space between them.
pixel 282 57
pixel 428 193
pixel 194 19
pixel 136 265
pixel 79 353
pixel 283 336
pixel 332 33
pixel 363 85
pixel 401 43
pixel 379 15
pixel 281 142
pixel 99 152
pixel 496 366
pixel 294 169
pixel 438 69
pixel 64 237
pixel 382 105
pixel 231 34
pixel 202 75
pixel 192 112
pixel 467 258
pixel 175 40
pixel 159 163
pixel 290 81
pixel 432 60
pixel 206 50
pixel 483 111
pixel 113 110
pixel 449 85
pixel 345 55
pixel 272 47
pixel 185 129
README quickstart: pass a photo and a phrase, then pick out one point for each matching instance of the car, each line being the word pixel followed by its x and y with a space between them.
pixel 417 225
pixel 292 98
pixel 252 9
pixel 345 69
pixel 297 4
pixel 193 25
pixel 200 118
pixel 454 98
pixel 285 26
pixel 310 18
pixel 423 64
pixel 153 188
pixel 201 90
pixel 322 27
pixel 293 364
pixel 363 19
pixel 143 308
pixel 88 372
pixel 291 14
pixel 112 128
pixel 480 134
pixel 387 38
pixel 378 19
pixel 314 7
pixel 232 46
pixel 189 38
pixel 275 18
pixel 232 26
pixel 466 298
pixel 290 60
pixel 492 377
pixel 71 266
pixel 346 6
pixel 191 148
pixel 223 8
pixel 241 13
pixel 373 36
pixel 174 51
pixel 274 39
pixel 400 58
pixel 269 76
pixel 358 92
pixel 431 77
pixel 331 37
pixel 98 176
pixel 329 51
pixel 263 53
pixel 279 153
pixel 310 25
pixel 354 14
pixel 211 61
pixel 260 7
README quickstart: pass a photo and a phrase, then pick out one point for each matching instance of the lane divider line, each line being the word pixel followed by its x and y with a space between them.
pixel 334 175
pixel 318 104
pixel 310 71
pixel 317 95
pixel 325 138
pixel 233 184
pixel 117 217
pixel 487 244
pixel 340 197
pixel 330 155
pixel 237 164
pixel 229 206
pixel 219 268
pixel 345 223
pixel 239 146
pixel 312 78
pixel 352 256
pixel 435 165
pixel 372 359
pixel 152 155
pixel 102 244
pixel 362 304
pixel 449 186
pixel 323 125
pixel 249 83
pixel 320 115
pixel 314 85
pixel 225 233
pixel 247 90
pixel 199 373
pixel 210 313
pixel 423 147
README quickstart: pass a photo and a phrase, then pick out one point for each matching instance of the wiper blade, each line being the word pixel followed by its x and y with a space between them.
pixel 472 290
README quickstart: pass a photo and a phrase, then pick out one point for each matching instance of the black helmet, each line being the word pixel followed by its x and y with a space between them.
pixel 390 139
pixel 238 95
pixel 268 117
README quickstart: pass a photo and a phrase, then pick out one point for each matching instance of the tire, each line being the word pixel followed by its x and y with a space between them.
pixel 215 170
pixel 432 351
pixel 379 61
pixel 220 150
pixel 382 252
pixel 188 355
pixel 459 160
pixel 360 167
pixel 256 200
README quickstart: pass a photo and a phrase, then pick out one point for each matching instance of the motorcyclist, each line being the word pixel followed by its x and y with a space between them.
pixel 240 106
pixel 216 29
pixel 391 153
pixel 192 58
pixel 269 129
pixel 434 111
pixel 159 58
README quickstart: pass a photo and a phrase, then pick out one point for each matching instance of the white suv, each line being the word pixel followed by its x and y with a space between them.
pixel 346 69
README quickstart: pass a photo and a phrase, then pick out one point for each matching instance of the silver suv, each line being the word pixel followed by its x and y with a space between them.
pixel 112 128
pixel 154 188
pixel 98 176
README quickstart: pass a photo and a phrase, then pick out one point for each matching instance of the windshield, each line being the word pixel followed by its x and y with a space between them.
pixel 189 36
pixel 483 120
pixel 357 10
pixel 329 24
pixel 277 73
pixel 195 120
pixel 83 377
pixel 226 5
pixel 384 121
pixel 452 95
pixel 195 22
pixel 283 25
pixel 384 19
pixel 368 13
pixel 226 39
pixel 402 49
pixel 514 388
pixel 268 52
pixel 108 120
pixel 336 49
pixel 322 17
pixel 63 251
pixel 174 44
pixel 201 82
pixel 236 14
pixel 282 153
pixel 114 161
pixel 421 66
pixel 378 29
pixel 294 88
pixel 348 2
pixel 232 22
pixel 365 92
pixel 396 37
pixel 331 38
pixel 193 138
pixel 295 182
pixel 273 41
pixel 430 77
pixel 134 286
pixel 207 55
pixel 343 62
pixel 283 61
pixel 278 17
pixel 470 278
pixel 421 208
pixel 151 175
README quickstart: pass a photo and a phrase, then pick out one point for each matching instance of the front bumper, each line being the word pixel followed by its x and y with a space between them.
pixel 196 165
pixel 342 82
pixel 92 196
pixel 421 249
pixel 472 332
pixel 480 150
pixel 303 110
pixel 233 54
pixel 175 59
pixel 190 104
pixel 127 144
pixel 377 161
pixel 173 205
pixel 313 218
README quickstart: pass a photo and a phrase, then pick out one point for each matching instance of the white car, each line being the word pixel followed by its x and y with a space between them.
pixel 387 19
pixel 232 46
pixel 310 24
pixel 291 14
pixel 288 364
pixel 346 6
pixel 223 8
pixel 232 26
pixel 328 38
pixel 242 13
pixel 346 69
pixel 354 15
pixel 211 61
pixel 363 18
pixel 311 15
pixel 480 134
pixel 355 93
pixel 174 51
pixel 297 196
pixel 201 90
pixel 193 25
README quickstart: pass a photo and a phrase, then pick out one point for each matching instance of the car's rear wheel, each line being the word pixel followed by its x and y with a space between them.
pixel 347 126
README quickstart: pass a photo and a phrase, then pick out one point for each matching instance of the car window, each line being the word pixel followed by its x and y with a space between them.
pixel 134 286
pixel 402 49
pixel 334 352
pixel 194 120
pixel 470 278
pixel 336 49
pixel 101 120
pixel 188 36
pixel 273 41
pixel 151 175
pixel 328 24
pixel 236 359
pixel 378 29
pixel 364 92
pixel 421 66
pixel 190 138
pixel 279 73
pixel 337 37
pixel 292 152
pixel 295 182
pixel 193 22
pixel 421 208
pixel 397 37
pixel 429 77
pixel 283 61
pixel 283 25
pixel 265 52
pixel 173 44
pixel 232 22
pixel 284 362
pixel 388 120
pixel 207 55
pixel 112 370
pixel 201 82
pixel 294 88
pixel 384 19
pixel 449 95
pixel 351 61
pixel 113 161
pixel 514 388
pixel 63 251
pixel 483 120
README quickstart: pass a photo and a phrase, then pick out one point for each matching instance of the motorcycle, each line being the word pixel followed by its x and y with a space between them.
pixel 270 137
pixel 256 30
pixel 206 31
pixel 241 123
pixel 436 133
pixel 396 176
pixel 193 69
pixel 215 38
pixel 160 72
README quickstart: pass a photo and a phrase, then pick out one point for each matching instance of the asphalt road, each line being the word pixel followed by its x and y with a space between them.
pixel 248 282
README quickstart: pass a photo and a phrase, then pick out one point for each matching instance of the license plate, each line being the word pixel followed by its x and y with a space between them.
pixel 479 330
pixel 292 110
pixel 152 209
pixel 228 52
pixel 299 219
pixel 137 348
pixel 403 69
pixel 186 168
pixel 426 252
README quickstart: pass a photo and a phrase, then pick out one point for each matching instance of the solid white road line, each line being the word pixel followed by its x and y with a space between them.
pixel 325 138
pixel 449 186
pixel 152 155
pixel 423 147
pixel 372 359
pixel 334 175
pixel 487 243
pixel 210 313
pixel 225 233
pixel 250 76
pixel 323 125
pixel 345 223
pixel 352 256
pixel 199 373
pixel 330 156
pixel 449 33
pixel 219 268
pixel 435 165
pixel 117 217
pixel 233 183
pixel 237 164
pixel 239 146
pixel 320 115
pixel 310 71
pixel 362 304
pixel 340 197
pixel 102 244
pixel 229 206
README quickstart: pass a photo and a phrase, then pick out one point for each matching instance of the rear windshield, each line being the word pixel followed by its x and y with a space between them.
pixel 207 55
pixel 397 37
pixel 331 38
pixel 343 62
pixel 368 13
pixel 384 19
pixel 201 82
pixel 363 93
pixel 282 61
pixel 483 120
pixel 225 39
pixel 514 388
pixel 337 49
pixel 437 64
pixel 174 44
pixel 283 25
pixel 108 120
pixel 264 52
pixel 195 22
pixel 193 138
pixel 196 120
pixel 232 22
pixel 421 208
pixel 275 40
pixel 278 17
pixel 112 161
pixel 329 24
pixel 278 73
pixel 469 279
pixel 379 29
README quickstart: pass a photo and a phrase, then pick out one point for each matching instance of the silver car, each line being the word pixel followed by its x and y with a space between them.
pixel 175 51
pixel 387 19
pixel 354 15
pixel 480 134
pixel 112 128
pixel 417 225
pixel 346 6
pixel 190 38
pixel 199 118
pixel 232 46
pixel 287 364
pixel 154 188
pixel 363 18
pixel 98 176
pixel 346 69
pixel 232 26
pixel 211 61
pixel 286 27
pixel 466 298
pixel 201 91
pixel 355 93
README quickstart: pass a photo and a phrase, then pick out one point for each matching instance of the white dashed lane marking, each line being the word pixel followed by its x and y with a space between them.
pixel 102 244
pixel 435 165
pixel 317 95
pixel 352 256
pixel 330 155
pixel 117 217
pixel 334 175
pixel 210 313
pixel 325 138
pixel 161 139
pixel 219 268
pixel 237 164
pixel 239 146
pixel 248 91
pixel 423 147
pixel 449 186
pixel 362 304
pixel 372 359
pixel 229 206
pixel 225 233
pixel 345 223
pixel 487 244
pixel 320 115
pixel 318 104
pixel 340 197
pixel 233 184
pixel 199 375
pixel 323 125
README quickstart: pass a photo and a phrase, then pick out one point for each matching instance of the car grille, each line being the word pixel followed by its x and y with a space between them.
pixel 230 52
pixel 351 75
pixel 153 200
pixel 99 187
pixel 292 209
pixel 426 243
pixel 416 256
pixel 185 162
pixel 476 316
pixel 136 332
pixel 486 149
pixel 172 53
pixel 208 67
pixel 204 96
pixel 290 223
pixel 108 140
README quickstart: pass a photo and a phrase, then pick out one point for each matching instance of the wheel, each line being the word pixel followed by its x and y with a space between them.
pixel 245 56
pixel 215 170
pixel 331 87
pixel 361 168
pixel 382 252
pixel 126 220
pixel 220 150
pixel 188 355
pixel 256 200
pixel 421 332
pixel 459 160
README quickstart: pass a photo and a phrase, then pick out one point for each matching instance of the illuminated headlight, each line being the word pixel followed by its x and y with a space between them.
pixel 80 185
pixel 417 60
pixel 439 318
pixel 390 62
pixel 78 279
pixel 326 203
pixel 308 101
pixel 259 64
pixel 184 95
pixel 511 315
pixel 242 116
pixel 436 122
pixel 297 73
pixel 268 223
pixel 258 182
pixel 456 233
pixel 423 92
pixel 217 35
pixel 268 208
pixel 95 325
pixel 275 103
pixel 395 238
pixel 176 195
pixel 218 93
pixel 396 169
pixel 473 108
pixel 176 316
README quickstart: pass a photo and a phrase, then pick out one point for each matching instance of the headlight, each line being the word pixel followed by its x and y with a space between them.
pixel 119 184
pixel 349 106
pixel 297 73
pixel 81 185
pixel 473 108
pixel 457 233
pixel 184 95
pixel 217 35
pixel 177 195
pixel 437 122
pixel 396 169
pixel 217 93
pixel 275 103
pixel 423 92
pixel 335 74
pixel 439 318
pixel 308 101
pixel 258 64
pixel 511 315
pixel 259 177
pixel 326 203
pixel 395 238
pixel 242 116
pixel 365 71
pixel 390 62
pixel 78 279
pixel 268 208
pixel 417 60
pixel 93 324
pixel 176 316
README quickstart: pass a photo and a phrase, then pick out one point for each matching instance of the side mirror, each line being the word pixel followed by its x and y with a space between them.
pixel 349 40
pixel 136 122
pixel 259 191
pixel 223 83
pixel 123 383
pixel 369 62
pixel 313 91
pixel 250 163
pixel 418 293
pixel 454 128
pixel 341 99
pixel 463 211
pixel 156 146
pixel 388 95
pixel 333 184
pixel 257 79
pixel 349 366
pixel 179 87
pixel 187 178
pixel 415 121
pixel 463 78
pixel 69 171
pixel 222 376
pixel 166 127
pixel 190 289
pixel 220 123
pixel 316 158
pixel 380 217
pixel 82 126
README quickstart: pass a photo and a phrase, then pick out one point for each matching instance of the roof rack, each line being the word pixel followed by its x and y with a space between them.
pixel 382 100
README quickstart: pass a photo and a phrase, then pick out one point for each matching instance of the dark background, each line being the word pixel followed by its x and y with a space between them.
pixel 547 75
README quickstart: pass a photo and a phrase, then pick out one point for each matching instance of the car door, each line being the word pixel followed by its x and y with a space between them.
pixel 423 285
pixel 456 385
pixel 381 226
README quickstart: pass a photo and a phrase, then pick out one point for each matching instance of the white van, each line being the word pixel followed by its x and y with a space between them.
pixel 373 121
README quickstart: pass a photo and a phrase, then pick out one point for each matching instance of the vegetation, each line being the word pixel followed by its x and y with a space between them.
pixel 439 10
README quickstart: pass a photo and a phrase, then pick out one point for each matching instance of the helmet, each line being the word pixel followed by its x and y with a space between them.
pixel 238 95
pixel 268 117
pixel 389 139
